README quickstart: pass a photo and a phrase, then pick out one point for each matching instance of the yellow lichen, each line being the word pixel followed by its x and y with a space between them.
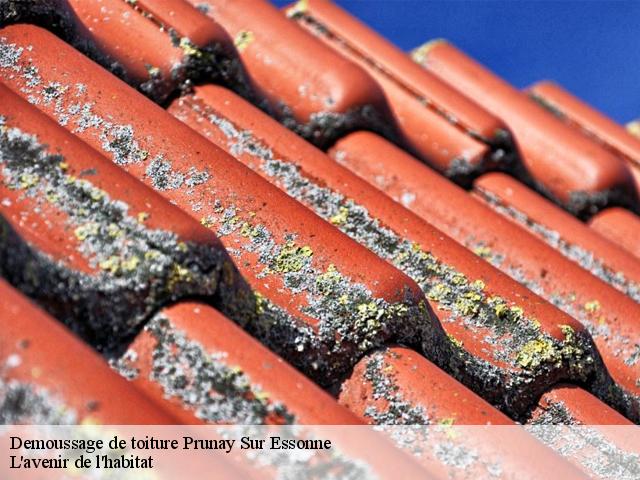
pixel 246 229
pixel 114 231
pixel 592 307
pixel 299 8
pixel 243 39
pixel 455 341
pixel 208 221
pixel 340 217
pixel 536 352
pixel 130 264
pixel 420 54
pixel 96 194
pixel 438 292
pixel 634 128
pixel 151 254
pixel 260 302
pixel 482 251
pixel 111 264
pixel 28 180
pixel 189 48
pixel 179 274
pixel 84 231
pixel 292 258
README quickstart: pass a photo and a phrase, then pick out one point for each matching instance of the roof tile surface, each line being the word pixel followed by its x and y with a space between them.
pixel 306 282
pixel 208 247
pixel 51 377
pixel 578 173
pixel 468 296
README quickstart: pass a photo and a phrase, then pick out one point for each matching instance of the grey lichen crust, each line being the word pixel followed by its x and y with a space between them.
pixel 212 62
pixel 24 403
pixel 135 269
pixel 205 381
pixel 396 410
pixel 589 314
pixel 531 358
pixel 583 257
pixel 347 318
pixel 350 319
pixel 438 440
pixel 323 128
pixel 593 449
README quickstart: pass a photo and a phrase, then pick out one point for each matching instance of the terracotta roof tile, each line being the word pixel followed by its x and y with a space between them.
pixel 563 232
pixel 98 249
pixel 577 284
pixel 573 111
pixel 588 177
pixel 595 424
pixel 571 405
pixel 198 239
pixel 48 376
pixel 307 282
pixel 619 226
pixel 461 287
pixel 251 384
pixel 436 122
pixel 311 89
pixel 173 43
pixel 398 386
pixel 382 56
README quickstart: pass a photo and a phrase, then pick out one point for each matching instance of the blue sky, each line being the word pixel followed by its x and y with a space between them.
pixel 592 48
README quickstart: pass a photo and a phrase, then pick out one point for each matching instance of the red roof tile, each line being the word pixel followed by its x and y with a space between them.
pixel 50 377
pixel 619 226
pixel 173 43
pixel 571 405
pixel 399 386
pixel 362 43
pixel 459 285
pixel 88 241
pixel 437 123
pixel 175 228
pixel 187 343
pixel 308 87
pixel 575 283
pixel 578 173
pixel 310 282
pixel 578 114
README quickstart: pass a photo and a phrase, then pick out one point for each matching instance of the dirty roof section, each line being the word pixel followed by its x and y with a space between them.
pixel 236 214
